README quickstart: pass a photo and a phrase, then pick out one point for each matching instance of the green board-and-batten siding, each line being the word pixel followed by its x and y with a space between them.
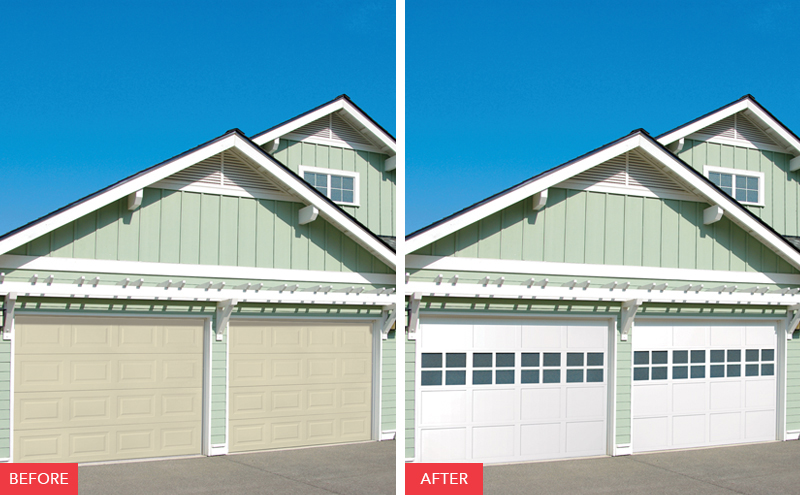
pixel 378 187
pixel 781 186
pixel 793 383
pixel 602 228
pixel 207 229
pixel 388 383
pixel 5 399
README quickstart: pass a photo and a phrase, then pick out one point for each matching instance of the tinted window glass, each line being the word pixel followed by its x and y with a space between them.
pixel 458 360
pixel 431 360
pixel 482 360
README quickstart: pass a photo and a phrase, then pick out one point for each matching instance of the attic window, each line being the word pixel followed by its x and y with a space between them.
pixel 744 186
pixel 340 186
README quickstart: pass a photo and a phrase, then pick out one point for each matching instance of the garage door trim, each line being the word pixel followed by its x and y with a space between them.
pixel 611 362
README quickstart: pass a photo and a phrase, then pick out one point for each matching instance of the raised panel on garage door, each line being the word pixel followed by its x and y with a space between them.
pixel 511 391
pixel 293 385
pixel 698 384
pixel 97 389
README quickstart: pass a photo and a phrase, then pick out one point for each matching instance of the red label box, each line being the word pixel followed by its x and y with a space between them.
pixel 39 479
pixel 444 479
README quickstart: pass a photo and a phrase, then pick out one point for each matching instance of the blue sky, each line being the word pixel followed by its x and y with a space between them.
pixel 498 92
pixel 91 92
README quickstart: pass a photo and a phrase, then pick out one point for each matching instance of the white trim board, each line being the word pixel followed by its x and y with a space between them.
pixel 733 210
pixel 54 264
pixel 330 172
pixel 295 185
pixel 477 265
pixel 744 173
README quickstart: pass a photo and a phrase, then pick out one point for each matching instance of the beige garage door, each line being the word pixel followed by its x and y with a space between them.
pixel 295 385
pixel 96 389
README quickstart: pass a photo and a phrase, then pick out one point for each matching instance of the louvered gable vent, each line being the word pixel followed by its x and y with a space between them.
pixel 739 127
pixel 630 173
pixel 333 127
pixel 224 173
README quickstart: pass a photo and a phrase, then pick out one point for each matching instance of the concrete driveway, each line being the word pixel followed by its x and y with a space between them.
pixel 767 468
pixel 365 468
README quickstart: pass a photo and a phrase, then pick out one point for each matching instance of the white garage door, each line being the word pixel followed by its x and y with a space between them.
pixel 99 389
pixel 511 391
pixel 699 385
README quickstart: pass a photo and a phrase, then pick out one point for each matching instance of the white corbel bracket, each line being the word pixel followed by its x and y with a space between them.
pixel 390 164
pixel 677 146
pixel 794 164
pixel 792 320
pixel 224 310
pixel 712 214
pixel 388 320
pixel 307 214
pixel 629 309
pixel 135 199
pixel 413 315
pixel 8 315
pixel 539 200
pixel 271 146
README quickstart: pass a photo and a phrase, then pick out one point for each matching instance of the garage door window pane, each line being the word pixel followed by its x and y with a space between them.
pixel 680 357
pixel 594 359
pixel 504 377
pixel 698 371
pixel 767 355
pixel 530 376
pixel 504 359
pixel 751 355
pixel 482 360
pixel 717 371
pixel 641 357
pixel 594 375
pixel 530 359
pixel 552 359
pixel 680 372
pixel 574 376
pixel 718 356
pixel 456 378
pixel 734 356
pixel 431 360
pixel 659 373
pixel 767 369
pixel 734 370
pixel 551 376
pixel 457 360
pixel 641 373
pixel 659 357
pixel 481 377
pixel 574 359
pixel 431 378
pixel 698 356
pixel 751 370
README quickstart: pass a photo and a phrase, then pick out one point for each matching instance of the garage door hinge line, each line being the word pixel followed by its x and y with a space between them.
pixel 8 315
pixel 792 319
pixel 224 310
pixel 629 309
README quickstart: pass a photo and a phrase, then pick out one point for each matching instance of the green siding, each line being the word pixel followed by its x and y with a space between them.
pixel 411 357
pixel 632 231
pixel 377 187
pixel 793 383
pixel 623 392
pixel 5 398
pixel 781 186
pixel 388 383
pixel 191 228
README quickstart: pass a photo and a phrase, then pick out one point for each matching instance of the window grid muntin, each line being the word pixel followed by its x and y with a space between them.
pixel 688 364
pixel 745 186
pixel 338 187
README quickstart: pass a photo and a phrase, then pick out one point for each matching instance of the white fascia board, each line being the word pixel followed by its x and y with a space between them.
pixel 775 126
pixel 621 272
pixel 733 209
pixel 48 265
pixel 522 292
pixel 515 196
pixel 335 106
pixel 329 212
pixel 211 295
pixel 702 123
pixel 115 193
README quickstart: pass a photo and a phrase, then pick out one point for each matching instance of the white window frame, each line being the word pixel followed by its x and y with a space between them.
pixel 340 173
pixel 744 173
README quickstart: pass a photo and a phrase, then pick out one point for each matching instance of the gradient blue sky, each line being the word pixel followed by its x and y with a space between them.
pixel 497 92
pixel 91 92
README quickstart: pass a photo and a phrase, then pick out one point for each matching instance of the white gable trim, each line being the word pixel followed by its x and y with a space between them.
pixel 348 112
pixel 293 184
pixel 672 164
pixel 774 128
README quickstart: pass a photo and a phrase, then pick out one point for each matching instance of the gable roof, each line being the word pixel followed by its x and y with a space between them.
pixel 753 110
pixel 639 140
pixel 233 139
pixel 344 108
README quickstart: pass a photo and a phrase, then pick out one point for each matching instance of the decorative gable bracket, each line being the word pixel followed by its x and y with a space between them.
pixel 794 164
pixel 135 199
pixel 539 200
pixel 388 320
pixel 307 214
pixel 8 315
pixel 792 320
pixel 223 316
pixel 629 309
pixel 413 315
pixel 712 214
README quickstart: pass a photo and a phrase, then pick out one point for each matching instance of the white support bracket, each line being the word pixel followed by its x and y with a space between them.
pixel 271 146
pixel 389 316
pixel 794 164
pixel 390 163
pixel 8 315
pixel 224 310
pixel 792 319
pixel 712 214
pixel 307 214
pixel 677 146
pixel 135 199
pixel 539 200
pixel 629 309
pixel 413 315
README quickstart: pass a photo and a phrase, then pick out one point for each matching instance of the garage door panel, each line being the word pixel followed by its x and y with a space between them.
pixel 759 394
pixel 689 431
pixel 542 336
pixel 256 402
pixel 448 444
pixel 585 437
pixel 540 404
pixel 492 442
pixel 493 406
pixel 650 433
pixel 688 397
pixel 694 336
pixel 444 407
pixel 298 431
pixel 651 399
pixel 540 440
pixel 759 425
